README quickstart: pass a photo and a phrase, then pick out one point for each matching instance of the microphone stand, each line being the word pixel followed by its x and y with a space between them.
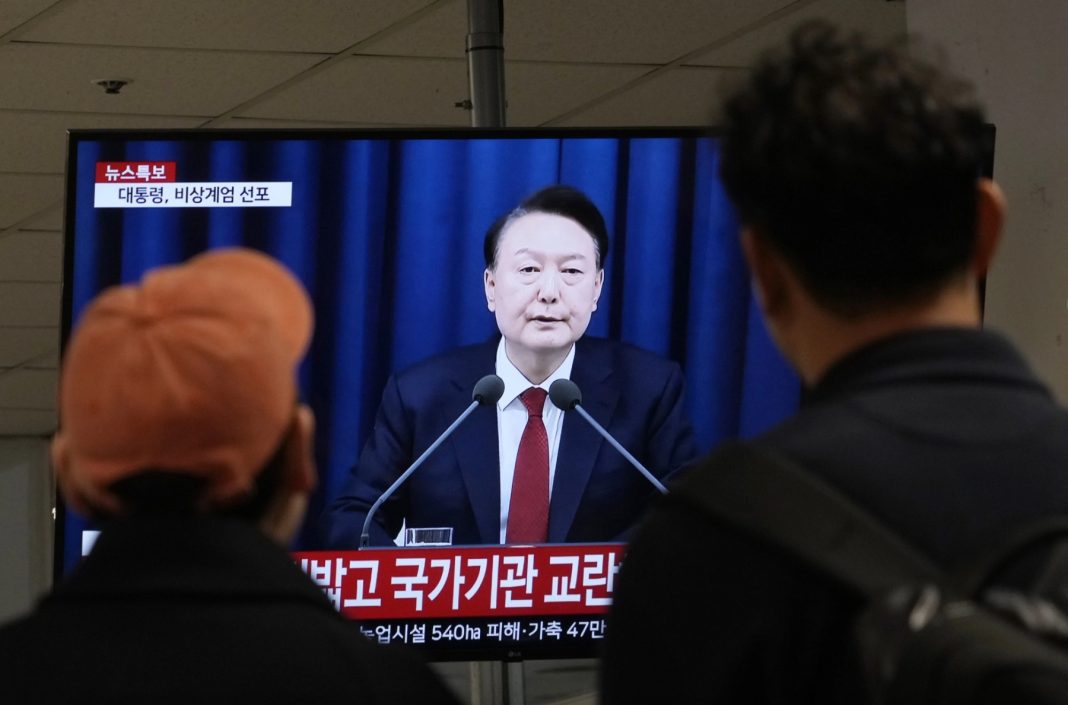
pixel 626 454
pixel 365 535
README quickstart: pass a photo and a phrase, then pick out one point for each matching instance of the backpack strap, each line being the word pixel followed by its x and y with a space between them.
pixel 976 574
pixel 770 496
pixel 1054 577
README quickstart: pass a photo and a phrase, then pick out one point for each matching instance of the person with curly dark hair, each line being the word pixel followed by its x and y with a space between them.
pixel 868 229
pixel 858 165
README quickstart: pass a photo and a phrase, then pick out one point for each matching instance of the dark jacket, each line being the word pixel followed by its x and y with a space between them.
pixel 198 610
pixel 945 435
pixel 597 496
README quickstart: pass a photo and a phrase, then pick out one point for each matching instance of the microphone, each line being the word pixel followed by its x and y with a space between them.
pixel 487 392
pixel 565 394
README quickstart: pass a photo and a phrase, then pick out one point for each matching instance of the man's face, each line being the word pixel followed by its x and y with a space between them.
pixel 545 284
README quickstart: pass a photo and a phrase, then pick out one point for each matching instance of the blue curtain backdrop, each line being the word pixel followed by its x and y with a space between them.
pixel 386 231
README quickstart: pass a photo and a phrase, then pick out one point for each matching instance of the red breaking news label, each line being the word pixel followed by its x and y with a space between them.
pixel 143 172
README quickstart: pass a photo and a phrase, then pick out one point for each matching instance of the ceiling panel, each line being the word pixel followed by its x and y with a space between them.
pixel 23 345
pixel 49 219
pixel 538 92
pixel 37 142
pixel 23 195
pixel 597 31
pixel 674 97
pixel 27 423
pixel 31 256
pixel 424 91
pixel 14 12
pixel 28 389
pixel 249 123
pixel 625 32
pixel 29 304
pixel 439 32
pixel 163 82
pixel 416 92
pixel 877 18
pixel 325 26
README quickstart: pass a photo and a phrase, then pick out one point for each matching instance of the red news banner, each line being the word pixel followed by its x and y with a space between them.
pixel 478 581
pixel 522 599
pixel 144 172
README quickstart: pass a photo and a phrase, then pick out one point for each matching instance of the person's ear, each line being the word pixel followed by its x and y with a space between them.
pixel 489 283
pixel 302 475
pixel 598 283
pixel 286 510
pixel 766 270
pixel 59 451
pixel 82 497
pixel 989 221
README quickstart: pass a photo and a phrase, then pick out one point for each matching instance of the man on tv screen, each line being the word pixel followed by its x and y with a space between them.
pixel 182 435
pixel 524 472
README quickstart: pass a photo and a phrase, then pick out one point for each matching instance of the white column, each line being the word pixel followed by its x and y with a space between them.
pixel 1015 53
pixel 26 525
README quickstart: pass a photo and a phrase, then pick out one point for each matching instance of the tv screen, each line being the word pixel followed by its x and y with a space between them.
pixel 386 229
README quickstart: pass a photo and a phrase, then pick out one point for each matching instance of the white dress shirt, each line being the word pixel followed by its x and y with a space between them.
pixel 512 419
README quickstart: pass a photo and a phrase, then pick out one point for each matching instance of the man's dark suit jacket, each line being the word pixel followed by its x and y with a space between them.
pixel 596 495
pixel 198 610
pixel 944 435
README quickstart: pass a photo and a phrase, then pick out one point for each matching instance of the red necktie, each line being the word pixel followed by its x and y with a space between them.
pixel 528 509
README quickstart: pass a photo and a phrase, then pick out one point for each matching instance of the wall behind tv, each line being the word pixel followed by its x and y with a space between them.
pixel 25 523
pixel 1011 53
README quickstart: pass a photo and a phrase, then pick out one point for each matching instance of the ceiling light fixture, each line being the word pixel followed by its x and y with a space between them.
pixel 111 86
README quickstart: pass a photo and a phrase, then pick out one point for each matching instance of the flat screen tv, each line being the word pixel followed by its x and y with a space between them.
pixel 385 228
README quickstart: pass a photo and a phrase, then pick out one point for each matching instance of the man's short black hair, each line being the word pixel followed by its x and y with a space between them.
pixel 859 164
pixel 565 201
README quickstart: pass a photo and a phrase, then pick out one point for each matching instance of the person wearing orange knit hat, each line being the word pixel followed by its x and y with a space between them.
pixel 189 373
pixel 182 434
